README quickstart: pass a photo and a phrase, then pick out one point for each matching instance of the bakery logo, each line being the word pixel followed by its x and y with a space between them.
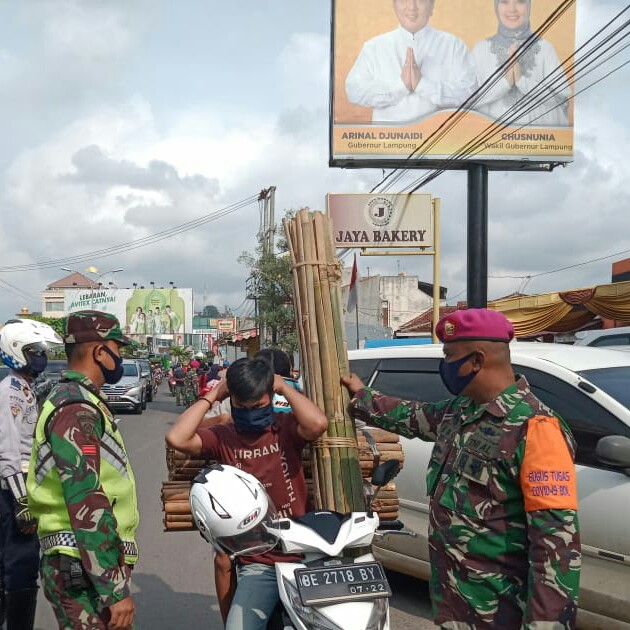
pixel 379 211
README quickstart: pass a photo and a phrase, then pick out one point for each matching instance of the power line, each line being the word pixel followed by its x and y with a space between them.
pixel 457 116
pixel 527 103
pixel 137 243
pixel 573 266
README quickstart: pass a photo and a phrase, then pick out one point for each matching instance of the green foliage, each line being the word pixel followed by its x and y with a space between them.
pixel 272 283
pixel 180 354
pixel 211 310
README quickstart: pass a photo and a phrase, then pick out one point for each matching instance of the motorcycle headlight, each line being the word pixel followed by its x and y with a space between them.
pixel 312 619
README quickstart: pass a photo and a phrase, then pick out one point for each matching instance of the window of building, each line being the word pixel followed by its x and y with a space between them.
pixel 54 306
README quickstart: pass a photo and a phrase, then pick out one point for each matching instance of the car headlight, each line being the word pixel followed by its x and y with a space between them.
pixel 310 616
pixel 134 391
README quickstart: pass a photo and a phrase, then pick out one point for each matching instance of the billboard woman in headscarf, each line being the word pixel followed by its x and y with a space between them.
pixel 522 75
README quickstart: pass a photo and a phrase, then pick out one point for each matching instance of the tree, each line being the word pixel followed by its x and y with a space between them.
pixel 211 311
pixel 180 354
pixel 271 284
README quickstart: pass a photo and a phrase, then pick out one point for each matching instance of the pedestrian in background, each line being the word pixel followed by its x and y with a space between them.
pixel 504 539
pixel 81 487
pixel 23 346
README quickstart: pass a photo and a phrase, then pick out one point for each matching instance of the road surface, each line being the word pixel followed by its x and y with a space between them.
pixel 173 584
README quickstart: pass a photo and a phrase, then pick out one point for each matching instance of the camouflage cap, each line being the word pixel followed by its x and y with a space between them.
pixel 85 326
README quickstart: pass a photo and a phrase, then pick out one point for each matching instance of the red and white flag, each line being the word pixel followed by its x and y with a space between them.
pixel 353 297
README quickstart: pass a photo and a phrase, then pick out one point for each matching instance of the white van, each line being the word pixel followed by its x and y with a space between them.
pixel 590 389
pixel 603 338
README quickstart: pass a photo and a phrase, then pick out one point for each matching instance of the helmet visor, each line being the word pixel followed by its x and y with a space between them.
pixel 257 540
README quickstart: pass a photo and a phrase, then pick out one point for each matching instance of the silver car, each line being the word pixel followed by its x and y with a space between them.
pixel 130 391
pixel 590 389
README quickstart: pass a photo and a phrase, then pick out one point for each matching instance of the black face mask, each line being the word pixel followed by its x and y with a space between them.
pixel 252 420
pixel 114 375
pixel 37 363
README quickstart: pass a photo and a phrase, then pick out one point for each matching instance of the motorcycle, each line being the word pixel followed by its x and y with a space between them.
pixel 171 382
pixel 333 587
pixel 158 376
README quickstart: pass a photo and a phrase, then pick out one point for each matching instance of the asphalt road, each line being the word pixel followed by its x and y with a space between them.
pixel 173 584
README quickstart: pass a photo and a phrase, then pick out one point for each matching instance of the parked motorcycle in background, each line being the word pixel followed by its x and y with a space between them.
pixel 338 585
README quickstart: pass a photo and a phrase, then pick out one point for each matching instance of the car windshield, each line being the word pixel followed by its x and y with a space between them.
pixel 130 369
pixel 614 381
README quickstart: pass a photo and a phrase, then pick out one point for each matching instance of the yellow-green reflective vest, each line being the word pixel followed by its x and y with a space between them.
pixel 45 494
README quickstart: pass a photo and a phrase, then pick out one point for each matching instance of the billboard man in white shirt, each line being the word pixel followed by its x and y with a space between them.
pixel 411 71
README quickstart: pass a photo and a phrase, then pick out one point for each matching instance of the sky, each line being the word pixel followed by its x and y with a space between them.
pixel 124 118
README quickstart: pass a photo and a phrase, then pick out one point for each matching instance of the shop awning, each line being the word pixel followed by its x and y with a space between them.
pixel 565 311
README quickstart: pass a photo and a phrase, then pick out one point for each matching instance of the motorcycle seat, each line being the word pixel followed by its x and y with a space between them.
pixel 324 523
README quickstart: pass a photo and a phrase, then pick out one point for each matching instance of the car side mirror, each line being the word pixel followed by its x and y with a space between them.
pixel 614 450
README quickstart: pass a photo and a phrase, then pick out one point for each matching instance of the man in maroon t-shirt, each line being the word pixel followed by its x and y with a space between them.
pixel 267 445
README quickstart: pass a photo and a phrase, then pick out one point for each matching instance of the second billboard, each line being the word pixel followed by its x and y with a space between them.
pixel 402 67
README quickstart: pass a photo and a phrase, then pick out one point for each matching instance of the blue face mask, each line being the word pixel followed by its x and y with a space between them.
pixel 449 371
pixel 252 420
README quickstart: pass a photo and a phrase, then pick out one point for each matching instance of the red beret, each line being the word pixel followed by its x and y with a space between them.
pixel 479 324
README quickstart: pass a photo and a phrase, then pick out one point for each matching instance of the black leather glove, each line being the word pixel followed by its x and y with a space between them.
pixel 25 521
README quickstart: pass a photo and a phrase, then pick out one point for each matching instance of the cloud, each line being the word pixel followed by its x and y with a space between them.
pixel 109 165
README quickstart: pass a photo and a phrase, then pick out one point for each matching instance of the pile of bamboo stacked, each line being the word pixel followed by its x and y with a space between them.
pixel 336 470
pixel 177 516
pixel 176 491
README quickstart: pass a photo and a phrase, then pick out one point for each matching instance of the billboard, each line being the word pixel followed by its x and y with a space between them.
pixel 366 221
pixel 142 312
pixel 402 68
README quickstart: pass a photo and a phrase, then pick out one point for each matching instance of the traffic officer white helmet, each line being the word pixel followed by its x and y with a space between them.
pixel 23 343
pixel 232 509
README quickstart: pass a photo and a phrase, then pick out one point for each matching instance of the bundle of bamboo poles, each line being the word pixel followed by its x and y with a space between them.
pixel 176 491
pixel 175 504
pixel 336 470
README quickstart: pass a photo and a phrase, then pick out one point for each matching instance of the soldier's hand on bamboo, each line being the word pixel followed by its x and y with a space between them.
pixel 352 383
pixel 25 521
pixel 121 614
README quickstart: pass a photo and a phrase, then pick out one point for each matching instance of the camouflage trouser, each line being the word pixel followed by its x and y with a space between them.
pixel 74 608
pixel 180 390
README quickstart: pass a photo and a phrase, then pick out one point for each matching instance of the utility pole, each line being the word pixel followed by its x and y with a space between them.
pixel 268 229
pixel 267 197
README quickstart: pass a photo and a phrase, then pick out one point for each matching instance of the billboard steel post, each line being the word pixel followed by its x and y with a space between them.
pixel 477 236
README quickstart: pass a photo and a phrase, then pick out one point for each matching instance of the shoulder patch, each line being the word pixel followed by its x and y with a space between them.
pixel 548 473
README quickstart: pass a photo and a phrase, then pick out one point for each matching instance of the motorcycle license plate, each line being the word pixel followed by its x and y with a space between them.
pixel 331 585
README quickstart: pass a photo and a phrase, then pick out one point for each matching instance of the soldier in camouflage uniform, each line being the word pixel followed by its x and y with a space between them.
pixel 503 530
pixel 81 487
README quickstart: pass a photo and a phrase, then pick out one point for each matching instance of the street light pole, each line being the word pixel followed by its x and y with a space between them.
pixel 93 270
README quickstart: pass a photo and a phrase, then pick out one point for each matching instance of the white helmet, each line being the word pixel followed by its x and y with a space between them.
pixel 232 509
pixel 23 344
